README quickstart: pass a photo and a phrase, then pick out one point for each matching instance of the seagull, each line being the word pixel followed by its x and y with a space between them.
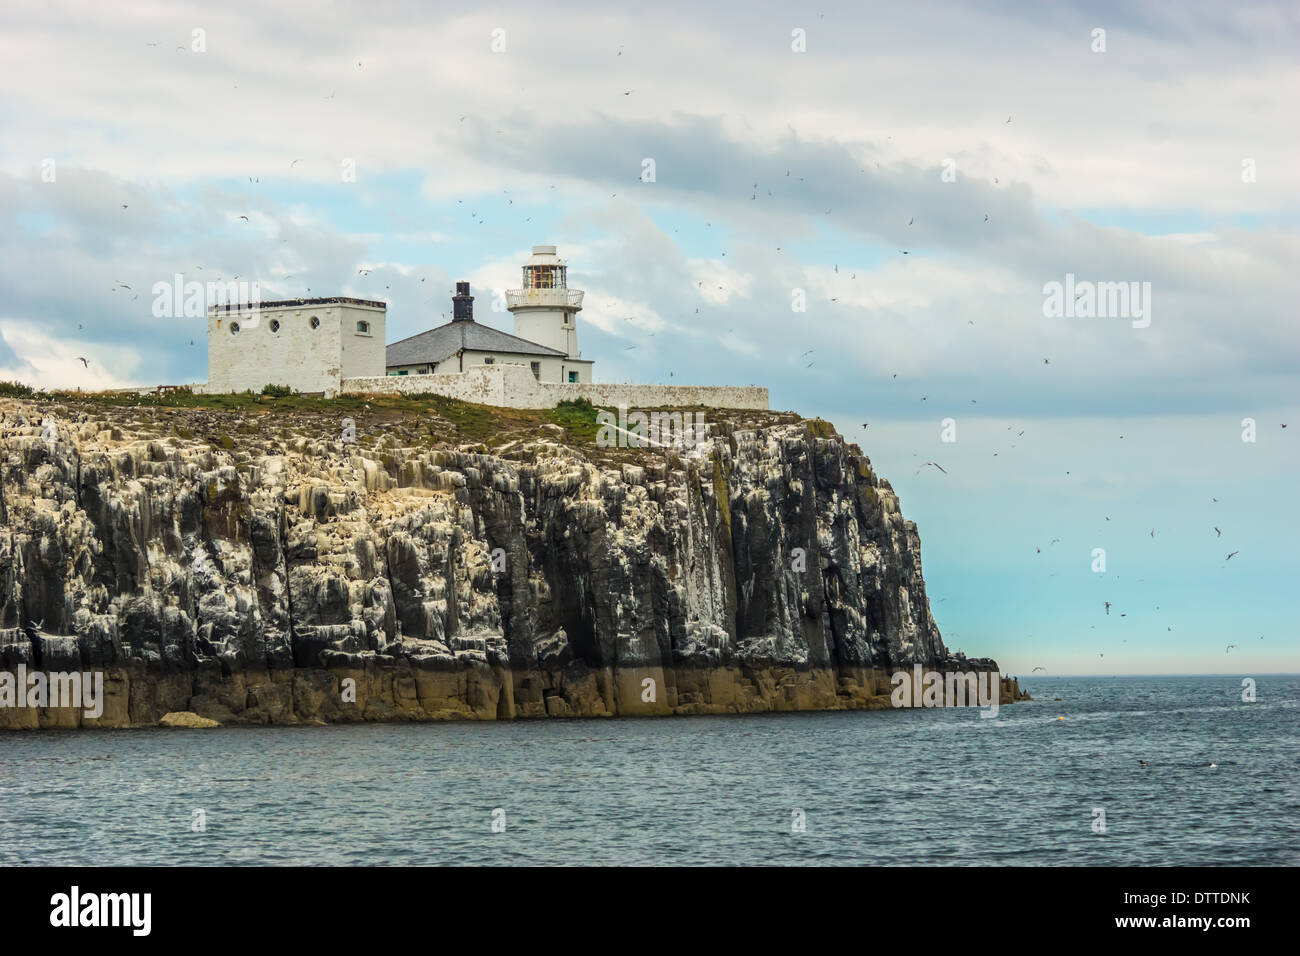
pixel 291 165
pixel 935 463
pixel 1142 763
pixel 1107 607
pixel 1040 668
pixel 1229 557
pixel 1228 648
pixel 245 218
pixel 1218 533
pixel 904 252
pixel 912 220
pixel 1008 120
pixel 83 361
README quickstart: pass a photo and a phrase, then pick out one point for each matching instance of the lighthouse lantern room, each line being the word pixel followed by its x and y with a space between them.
pixel 546 309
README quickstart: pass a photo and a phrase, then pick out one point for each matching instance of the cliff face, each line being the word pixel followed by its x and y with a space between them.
pixel 245 564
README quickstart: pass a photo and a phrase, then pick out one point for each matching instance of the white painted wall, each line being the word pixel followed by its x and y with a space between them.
pixel 511 386
pixel 552 369
pixel 554 328
pixel 277 346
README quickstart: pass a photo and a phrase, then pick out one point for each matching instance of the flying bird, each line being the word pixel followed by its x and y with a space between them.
pixel 1218 533
pixel 1038 669
pixel 935 463
pixel 1228 648
pixel 1229 557
pixel 1107 607
pixel 83 361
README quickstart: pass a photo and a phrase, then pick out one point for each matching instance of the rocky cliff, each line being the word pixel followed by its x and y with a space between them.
pixel 254 564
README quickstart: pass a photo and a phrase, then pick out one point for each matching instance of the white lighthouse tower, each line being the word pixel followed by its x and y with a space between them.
pixel 546 309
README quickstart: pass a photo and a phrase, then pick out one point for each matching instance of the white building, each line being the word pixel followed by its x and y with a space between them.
pixel 545 339
pixel 310 345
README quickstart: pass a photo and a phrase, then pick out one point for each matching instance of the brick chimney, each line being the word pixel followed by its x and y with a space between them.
pixel 462 304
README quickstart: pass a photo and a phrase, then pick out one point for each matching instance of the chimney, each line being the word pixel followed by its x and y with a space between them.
pixel 462 304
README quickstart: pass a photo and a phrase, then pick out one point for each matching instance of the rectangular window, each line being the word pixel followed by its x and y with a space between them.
pixel 573 376
pixel 537 370
pixel 489 360
pixel 402 372
pixel 363 328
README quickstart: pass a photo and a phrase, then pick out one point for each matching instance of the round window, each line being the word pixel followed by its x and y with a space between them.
pixel 275 325
pixel 315 322
pixel 234 328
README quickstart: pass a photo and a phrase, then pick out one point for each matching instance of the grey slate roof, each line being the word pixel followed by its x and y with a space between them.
pixel 446 340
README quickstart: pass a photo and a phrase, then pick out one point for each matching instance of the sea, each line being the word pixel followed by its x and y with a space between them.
pixel 1049 782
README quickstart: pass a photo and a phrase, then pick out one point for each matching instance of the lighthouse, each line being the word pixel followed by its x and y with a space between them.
pixel 546 309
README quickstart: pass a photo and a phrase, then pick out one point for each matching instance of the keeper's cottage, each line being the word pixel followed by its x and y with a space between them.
pixel 546 331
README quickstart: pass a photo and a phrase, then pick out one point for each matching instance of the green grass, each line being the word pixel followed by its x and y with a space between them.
pixel 16 390
pixel 577 418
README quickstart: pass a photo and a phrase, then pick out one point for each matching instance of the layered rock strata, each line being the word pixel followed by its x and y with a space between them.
pixel 255 568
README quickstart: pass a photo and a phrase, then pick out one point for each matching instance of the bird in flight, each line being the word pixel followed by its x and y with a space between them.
pixel 1228 648
pixel 935 463
pixel 1229 557
pixel 1218 533
pixel 904 252
pixel 295 162
pixel 83 361
pixel 1038 669
pixel 1107 603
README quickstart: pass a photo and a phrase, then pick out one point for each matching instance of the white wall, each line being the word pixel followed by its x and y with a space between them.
pixel 363 354
pixel 294 354
pixel 553 369
pixel 548 327
pixel 511 386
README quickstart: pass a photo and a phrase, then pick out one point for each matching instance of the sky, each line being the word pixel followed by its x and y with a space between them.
pixel 862 208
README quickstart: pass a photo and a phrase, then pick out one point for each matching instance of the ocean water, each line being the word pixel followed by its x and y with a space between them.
pixel 884 787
